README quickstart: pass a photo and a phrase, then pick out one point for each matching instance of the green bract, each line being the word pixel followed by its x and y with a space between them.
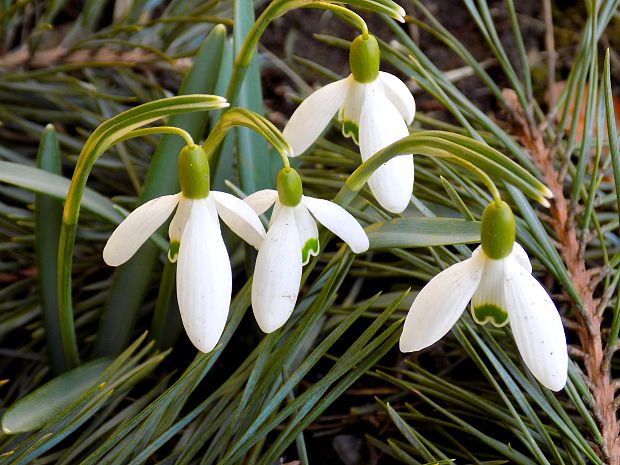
pixel 497 231
pixel 289 187
pixel 364 58
pixel 194 172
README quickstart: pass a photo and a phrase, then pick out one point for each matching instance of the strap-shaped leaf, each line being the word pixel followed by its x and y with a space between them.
pixel 422 232
pixel 44 403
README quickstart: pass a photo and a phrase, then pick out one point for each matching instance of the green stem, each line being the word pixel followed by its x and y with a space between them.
pixel 100 140
pixel 278 8
pixel 486 180
pixel 237 116
pixel 349 16
pixel 158 130
pixel 437 144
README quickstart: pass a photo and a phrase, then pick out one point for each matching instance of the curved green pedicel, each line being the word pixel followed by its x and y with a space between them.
pixel 289 187
pixel 194 172
pixel 490 313
pixel 364 58
pixel 497 230
pixel 310 248
pixel 351 129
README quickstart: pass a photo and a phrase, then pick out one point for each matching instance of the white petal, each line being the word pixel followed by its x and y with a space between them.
pixel 175 230
pixel 398 93
pixel 204 278
pixel 308 233
pixel 488 303
pixel 380 125
pixel 137 228
pixel 277 207
pixel 440 303
pixel 339 221
pixel 240 218
pixel 349 114
pixel 277 273
pixel 313 115
pixel 260 201
pixel 537 327
pixel 521 256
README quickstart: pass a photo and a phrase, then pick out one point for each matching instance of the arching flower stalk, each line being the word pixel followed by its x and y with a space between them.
pixel 204 278
pixel 375 109
pixel 498 281
pixel 292 238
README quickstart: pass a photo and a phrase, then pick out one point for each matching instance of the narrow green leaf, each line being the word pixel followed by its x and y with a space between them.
pixel 257 167
pixel 408 432
pixel 48 215
pixel 41 405
pixel 456 199
pixel 422 232
pixel 53 185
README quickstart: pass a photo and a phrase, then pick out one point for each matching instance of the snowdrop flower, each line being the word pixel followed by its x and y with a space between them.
pixel 498 281
pixel 204 279
pixel 375 109
pixel 291 239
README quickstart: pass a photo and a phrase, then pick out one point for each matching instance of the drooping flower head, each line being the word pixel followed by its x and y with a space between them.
pixel 374 108
pixel 292 238
pixel 498 281
pixel 204 278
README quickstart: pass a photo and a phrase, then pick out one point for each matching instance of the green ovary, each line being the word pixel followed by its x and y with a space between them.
pixel 486 313
pixel 311 247
pixel 351 129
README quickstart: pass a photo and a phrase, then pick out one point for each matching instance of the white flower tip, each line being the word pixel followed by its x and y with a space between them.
pixel 555 383
pixel 112 257
pixel 361 244
pixel 415 338
pixel 268 325
pixel 204 346
pixel 408 344
pixel 552 370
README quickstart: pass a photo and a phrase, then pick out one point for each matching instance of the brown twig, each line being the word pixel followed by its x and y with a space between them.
pixel 20 58
pixel 587 313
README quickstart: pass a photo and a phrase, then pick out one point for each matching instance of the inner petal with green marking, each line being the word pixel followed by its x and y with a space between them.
pixel 489 313
pixel 308 233
pixel 310 248
pixel 173 251
pixel 351 129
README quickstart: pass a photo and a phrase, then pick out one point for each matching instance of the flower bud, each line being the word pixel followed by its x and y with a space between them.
pixel 364 58
pixel 289 187
pixel 194 172
pixel 497 230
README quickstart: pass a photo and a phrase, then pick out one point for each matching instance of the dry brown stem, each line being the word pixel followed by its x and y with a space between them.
pixel 21 59
pixel 586 312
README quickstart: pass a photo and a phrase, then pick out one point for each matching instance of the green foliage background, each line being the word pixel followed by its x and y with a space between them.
pixel 333 374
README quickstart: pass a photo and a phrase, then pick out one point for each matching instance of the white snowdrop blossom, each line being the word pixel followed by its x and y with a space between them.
pixel 292 238
pixel 204 278
pixel 375 109
pixel 501 291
